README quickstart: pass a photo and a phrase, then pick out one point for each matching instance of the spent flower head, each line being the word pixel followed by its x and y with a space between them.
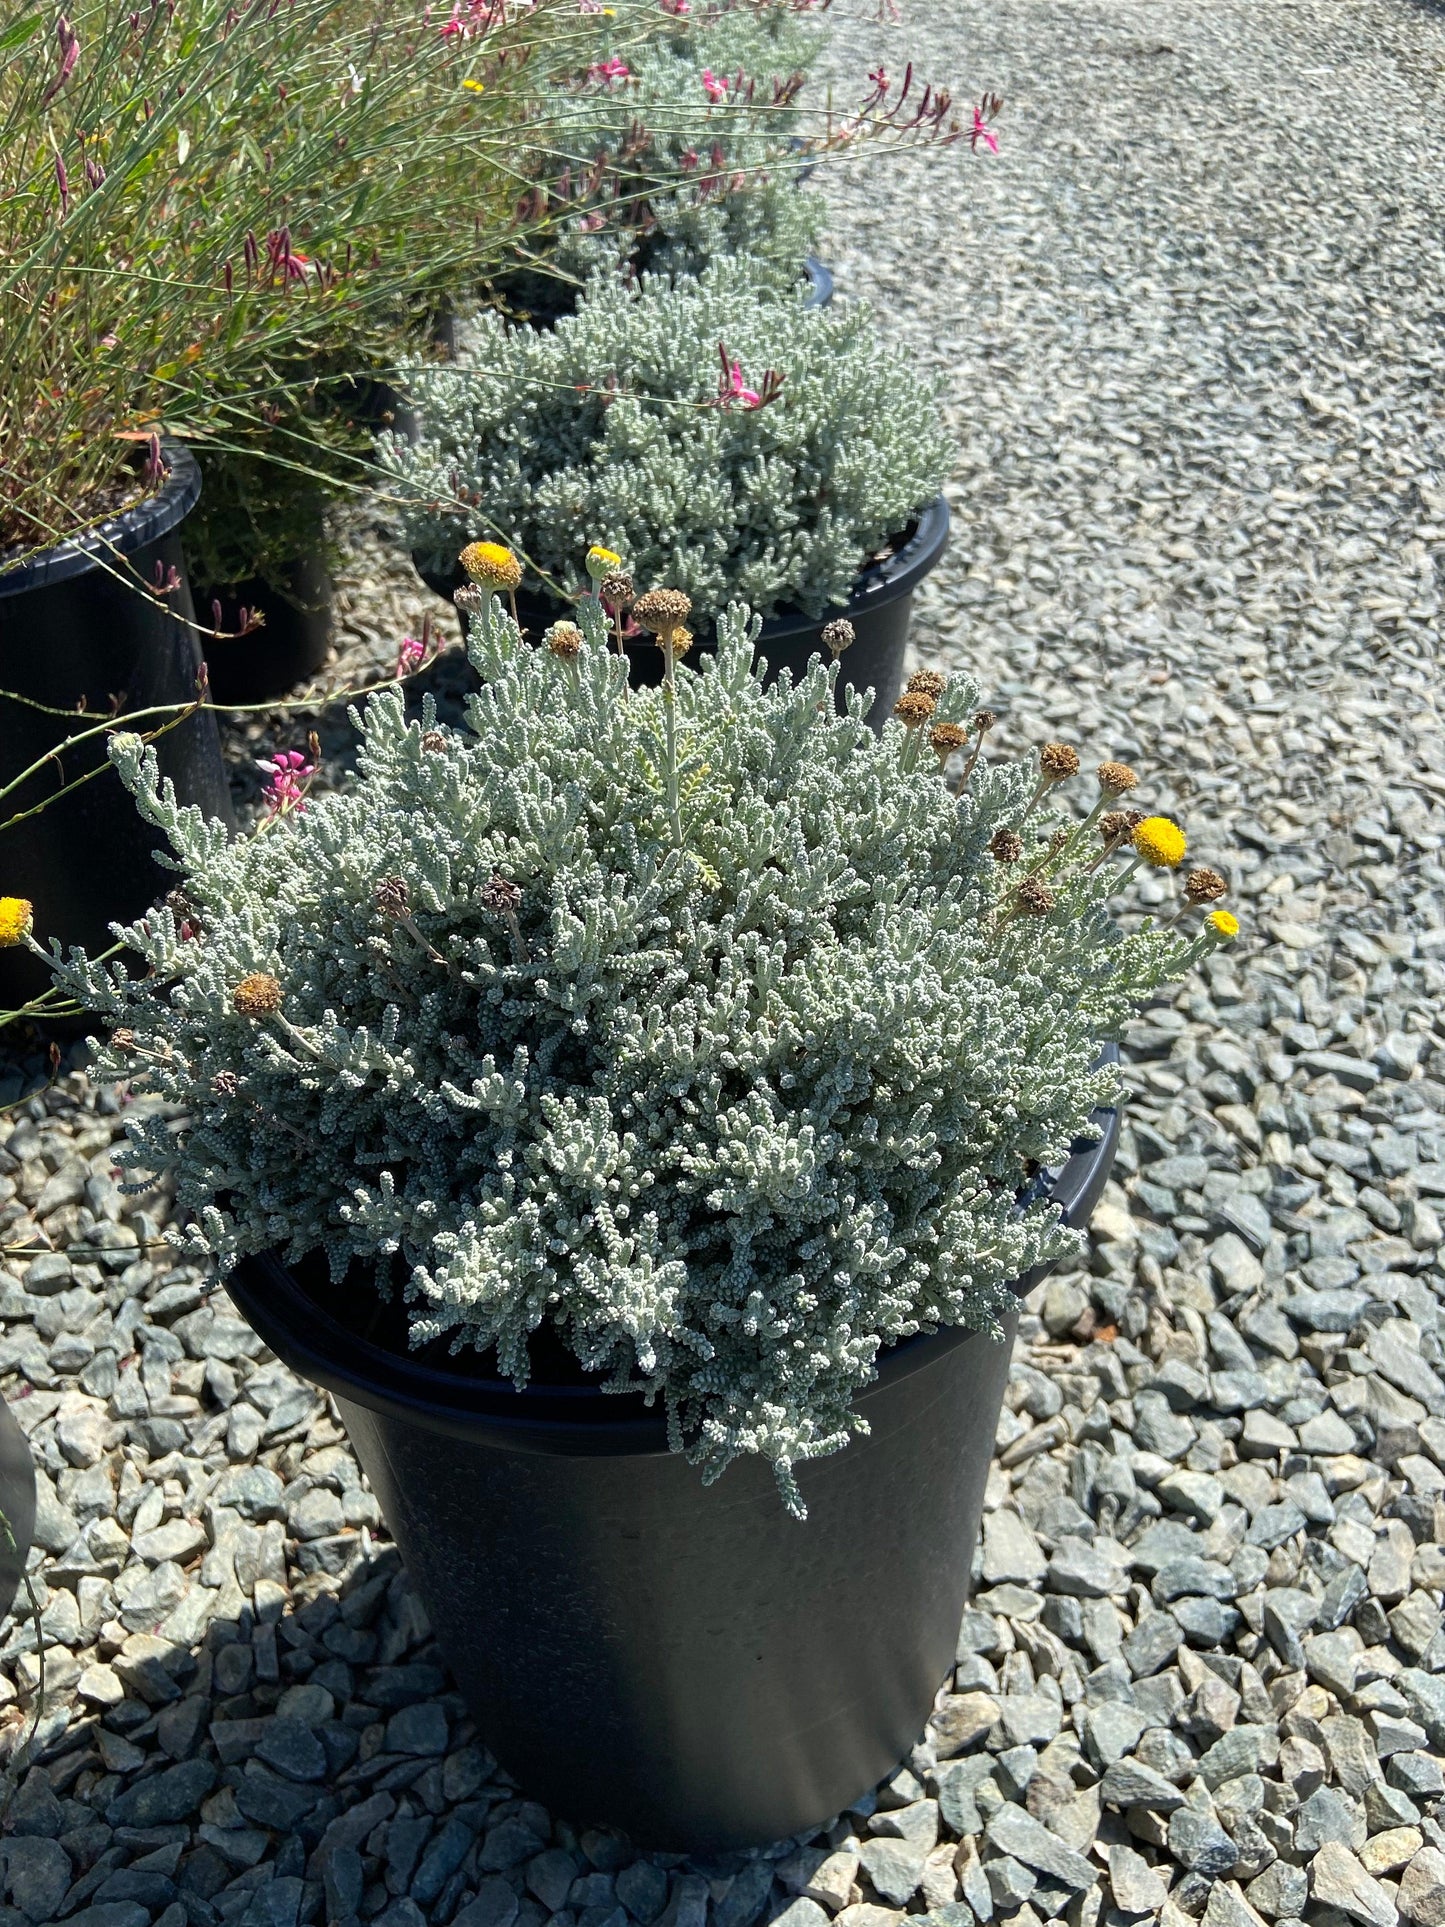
pixel 927 682
pixel 257 995
pixel 913 708
pixel 1204 885
pixel 564 640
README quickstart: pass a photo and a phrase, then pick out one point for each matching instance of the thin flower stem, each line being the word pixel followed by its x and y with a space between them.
pixel 669 723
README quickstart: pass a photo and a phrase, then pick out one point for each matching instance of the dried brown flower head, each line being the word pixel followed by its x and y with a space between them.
pixel 1035 898
pixel 927 682
pixel 1006 846
pixel 984 721
pixel 1057 841
pixel 434 741
pixel 682 641
pixel 257 995
pixel 1058 761
pixel 469 599
pixel 1114 824
pixel 947 737
pixel 838 635
pixel 615 588
pixel 662 611
pixel 913 709
pixel 122 1039
pixel 1204 885
pixel 564 639
pixel 500 895
pixel 225 1084
pixel 1116 778
pixel 393 898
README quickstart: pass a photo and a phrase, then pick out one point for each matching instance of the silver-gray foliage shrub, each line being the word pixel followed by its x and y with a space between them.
pixel 657 174
pixel 731 1112
pixel 609 428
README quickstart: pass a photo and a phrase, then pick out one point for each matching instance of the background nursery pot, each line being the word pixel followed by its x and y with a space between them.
pixel 880 610
pixel 17 1505
pixel 83 623
pixel 287 649
pixel 688 1663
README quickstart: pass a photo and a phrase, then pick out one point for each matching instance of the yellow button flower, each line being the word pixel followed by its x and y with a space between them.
pixel 16 916
pixel 1160 842
pixel 491 565
pixel 601 562
pixel 1223 924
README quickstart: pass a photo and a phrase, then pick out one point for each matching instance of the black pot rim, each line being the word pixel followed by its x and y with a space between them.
pixel 880 583
pixel 134 528
pixel 576 1420
pixel 897 575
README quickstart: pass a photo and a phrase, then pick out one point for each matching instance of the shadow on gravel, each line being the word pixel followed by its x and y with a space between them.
pixel 313 1764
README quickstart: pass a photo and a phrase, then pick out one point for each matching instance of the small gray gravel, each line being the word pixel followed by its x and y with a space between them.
pixel 1188 325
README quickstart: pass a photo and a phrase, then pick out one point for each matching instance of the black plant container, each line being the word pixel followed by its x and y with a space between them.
pixel 289 647
pixel 84 624
pixel 685 1662
pixel 17 1506
pixel 880 610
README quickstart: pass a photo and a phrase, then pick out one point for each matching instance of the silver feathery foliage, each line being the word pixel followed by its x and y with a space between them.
pixel 723 1046
pixel 610 428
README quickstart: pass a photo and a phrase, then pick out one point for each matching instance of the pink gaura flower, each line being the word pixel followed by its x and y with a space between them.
pixel 290 777
pixel 982 134
pixel 609 70
pixel 291 266
pixel 714 88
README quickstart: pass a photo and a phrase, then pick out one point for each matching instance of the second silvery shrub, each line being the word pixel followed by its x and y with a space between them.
pixel 695 1025
pixel 684 156
pixel 611 428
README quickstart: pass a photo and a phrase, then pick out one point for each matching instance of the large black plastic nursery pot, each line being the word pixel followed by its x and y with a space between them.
pixel 880 610
pixel 17 1506
pixel 686 1662
pixel 104 620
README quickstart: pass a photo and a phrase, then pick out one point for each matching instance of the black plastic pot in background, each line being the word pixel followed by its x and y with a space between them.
pixel 289 647
pixel 17 1506
pixel 87 624
pixel 880 610
pixel 686 1662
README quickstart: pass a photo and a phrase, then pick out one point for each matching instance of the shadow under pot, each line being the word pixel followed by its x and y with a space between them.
pixel 17 1508
pixel 105 619
pixel 688 1663
pixel 880 610
pixel 289 646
